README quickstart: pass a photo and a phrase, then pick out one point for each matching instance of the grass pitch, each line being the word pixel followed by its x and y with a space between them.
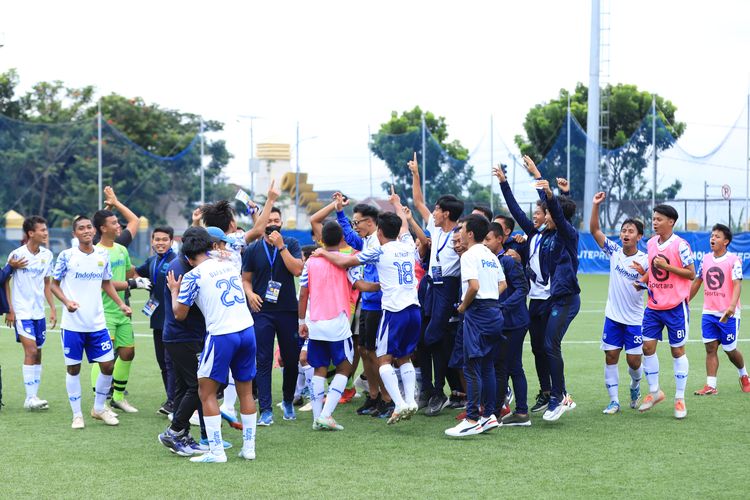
pixel 585 454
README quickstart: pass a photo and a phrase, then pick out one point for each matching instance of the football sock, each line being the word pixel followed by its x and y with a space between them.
pixel 711 382
pixel 230 394
pixel 120 377
pixel 335 388
pixel 651 369
pixel 409 378
pixel 37 378
pixel 390 381
pixel 612 381
pixel 742 371
pixel 635 376
pixel 28 380
pixel 103 384
pixel 681 366
pixel 308 372
pixel 317 393
pixel 248 431
pixel 73 385
pixel 213 432
pixel 300 380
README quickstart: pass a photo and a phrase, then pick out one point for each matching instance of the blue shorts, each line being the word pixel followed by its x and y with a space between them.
pixel 33 329
pixel 618 335
pixel 322 353
pixel 235 351
pixel 726 333
pixel 398 333
pixel 98 346
pixel 677 321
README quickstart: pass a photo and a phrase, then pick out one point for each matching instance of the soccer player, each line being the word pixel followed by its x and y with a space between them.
pixel 445 283
pixel 399 329
pixel 155 268
pixel 669 276
pixel 540 237
pixel 624 310
pixel 80 273
pixel 269 267
pixel 509 225
pixel 721 271
pixel 328 289
pixel 216 287
pixel 509 358
pixel 119 325
pixel 482 281
pixel 30 289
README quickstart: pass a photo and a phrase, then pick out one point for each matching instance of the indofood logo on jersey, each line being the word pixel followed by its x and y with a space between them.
pixel 714 278
pixel 88 276
pixel 659 274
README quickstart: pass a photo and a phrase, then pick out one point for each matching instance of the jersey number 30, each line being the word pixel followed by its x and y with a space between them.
pixel 231 286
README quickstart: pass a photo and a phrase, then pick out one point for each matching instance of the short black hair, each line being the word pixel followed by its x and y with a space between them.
pixel 307 250
pixel 29 224
pixel 366 211
pixel 390 224
pixel 485 211
pixel 667 211
pixel 195 241
pixel 100 217
pixel 79 218
pixel 724 229
pixel 277 210
pixel 567 205
pixel 452 205
pixel 219 214
pixel 497 229
pixel 332 234
pixel 164 229
pixel 637 223
pixel 478 225
pixel 508 222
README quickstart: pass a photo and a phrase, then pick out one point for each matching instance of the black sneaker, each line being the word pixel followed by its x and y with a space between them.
pixel 379 406
pixel 424 400
pixel 542 402
pixel 437 403
pixel 514 419
pixel 387 410
pixel 166 408
pixel 457 401
pixel 370 406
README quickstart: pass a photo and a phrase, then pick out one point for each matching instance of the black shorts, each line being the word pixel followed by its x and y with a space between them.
pixel 369 321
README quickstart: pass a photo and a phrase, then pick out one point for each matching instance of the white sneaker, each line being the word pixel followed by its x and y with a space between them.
pixel 195 419
pixel 247 454
pixel 124 406
pixel 229 411
pixel 306 407
pixel 399 414
pixel 554 411
pixel 464 428
pixel 34 403
pixel 361 385
pixel 489 423
pixel 105 416
pixel 78 422
pixel 209 458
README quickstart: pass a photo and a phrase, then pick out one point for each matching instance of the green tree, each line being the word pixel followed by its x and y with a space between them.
pixel 447 164
pixel 622 168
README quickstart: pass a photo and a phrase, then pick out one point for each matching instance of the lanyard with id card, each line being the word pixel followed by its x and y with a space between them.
pixel 274 287
pixel 152 304
pixel 149 307
pixel 437 270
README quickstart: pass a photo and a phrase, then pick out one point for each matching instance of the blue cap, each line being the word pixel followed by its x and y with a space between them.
pixel 217 234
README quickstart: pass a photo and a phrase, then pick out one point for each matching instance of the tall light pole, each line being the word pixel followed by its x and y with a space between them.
pixel 253 165
pixel 592 119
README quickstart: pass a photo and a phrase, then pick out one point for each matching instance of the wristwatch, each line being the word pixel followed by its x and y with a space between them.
pixel 283 248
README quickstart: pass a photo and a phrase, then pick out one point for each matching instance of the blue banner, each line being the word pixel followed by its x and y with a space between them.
pixel 592 259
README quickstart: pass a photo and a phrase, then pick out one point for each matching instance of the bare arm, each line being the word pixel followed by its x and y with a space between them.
pixel 366 286
pixel 338 259
pixel 293 264
pixel 396 202
pixel 695 287
pixel 737 290
pixel 594 227
pixel 683 272
pixel 10 316
pixel 51 301
pixel 131 219
pixel 416 188
pixel 304 294
pixel 253 299
pixel 179 309
pixel 316 220
pixel 259 227
pixel 70 305
pixel 109 289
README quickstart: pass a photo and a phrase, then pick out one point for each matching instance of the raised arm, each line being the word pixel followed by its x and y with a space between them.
pixel 259 228
pixel 350 235
pixel 416 188
pixel 594 227
pixel 316 219
pixel 337 259
pixel 564 227
pixel 515 209
pixel 396 202
pixel 110 199
pixel 421 236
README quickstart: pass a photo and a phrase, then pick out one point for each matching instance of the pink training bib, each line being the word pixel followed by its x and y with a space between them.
pixel 330 290
pixel 718 285
pixel 667 289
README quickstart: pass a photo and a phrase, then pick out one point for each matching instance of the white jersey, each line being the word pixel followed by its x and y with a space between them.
pixel 216 287
pixel 624 302
pixel 395 264
pixel 27 288
pixel 442 252
pixel 479 263
pixel 80 275
pixel 228 255
pixel 537 289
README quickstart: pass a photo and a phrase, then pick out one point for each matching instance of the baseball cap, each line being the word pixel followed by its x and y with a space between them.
pixel 217 234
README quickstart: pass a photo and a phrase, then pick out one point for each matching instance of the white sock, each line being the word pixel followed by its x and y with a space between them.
pixel 409 378
pixel 37 378
pixel 681 366
pixel 651 369
pixel 300 380
pixel 29 375
pixel 335 388
pixel 612 382
pixel 742 371
pixel 308 371
pixel 73 385
pixel 318 391
pixel 230 395
pixel 213 432
pixel 390 381
pixel 248 430
pixel 103 383
pixel 711 382
pixel 635 376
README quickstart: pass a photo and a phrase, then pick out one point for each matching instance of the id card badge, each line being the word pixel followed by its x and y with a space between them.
pixel 272 292
pixel 149 307
pixel 437 275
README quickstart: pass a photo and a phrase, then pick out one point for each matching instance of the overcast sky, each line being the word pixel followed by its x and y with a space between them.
pixel 339 67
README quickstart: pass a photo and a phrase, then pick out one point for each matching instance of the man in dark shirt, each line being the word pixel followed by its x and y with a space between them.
pixel 155 269
pixel 268 270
